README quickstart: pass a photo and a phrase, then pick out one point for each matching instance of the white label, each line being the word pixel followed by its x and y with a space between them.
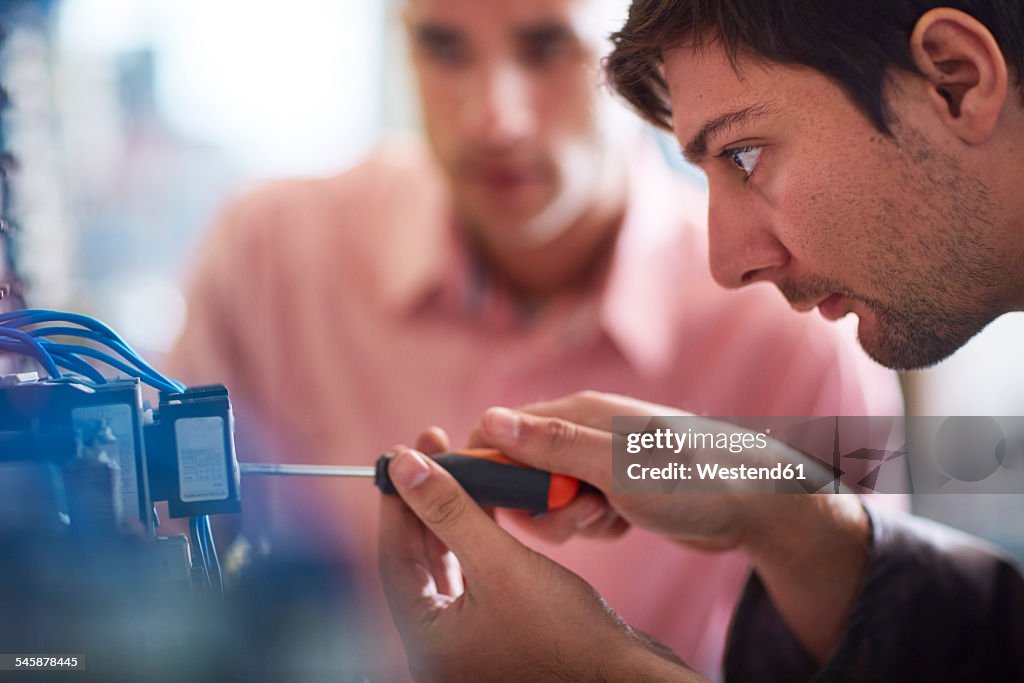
pixel 90 422
pixel 202 470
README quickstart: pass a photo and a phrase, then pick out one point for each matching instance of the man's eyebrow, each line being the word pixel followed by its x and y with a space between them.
pixel 697 147
pixel 542 32
pixel 436 34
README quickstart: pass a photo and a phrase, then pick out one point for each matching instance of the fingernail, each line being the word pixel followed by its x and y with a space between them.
pixel 502 423
pixel 409 469
pixel 589 516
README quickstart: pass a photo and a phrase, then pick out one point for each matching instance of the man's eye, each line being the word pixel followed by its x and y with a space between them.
pixel 442 45
pixel 744 158
pixel 544 52
pixel 450 54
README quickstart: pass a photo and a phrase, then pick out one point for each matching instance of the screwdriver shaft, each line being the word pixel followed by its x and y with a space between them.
pixel 306 470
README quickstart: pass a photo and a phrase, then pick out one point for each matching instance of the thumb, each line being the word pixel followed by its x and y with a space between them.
pixel 447 510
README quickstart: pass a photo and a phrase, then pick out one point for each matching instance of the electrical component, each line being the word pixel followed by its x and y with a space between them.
pixel 112 456
pixel 66 422
pixel 192 448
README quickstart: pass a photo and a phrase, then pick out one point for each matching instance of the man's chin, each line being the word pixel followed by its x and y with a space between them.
pixel 519 231
pixel 906 345
pixel 899 356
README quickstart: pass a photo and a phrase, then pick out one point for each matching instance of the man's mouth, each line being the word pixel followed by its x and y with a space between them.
pixel 832 307
pixel 503 176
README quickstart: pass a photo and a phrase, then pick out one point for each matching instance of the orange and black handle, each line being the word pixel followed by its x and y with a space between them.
pixel 495 481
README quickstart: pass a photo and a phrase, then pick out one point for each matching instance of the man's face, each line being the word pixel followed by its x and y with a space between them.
pixel 807 194
pixel 510 106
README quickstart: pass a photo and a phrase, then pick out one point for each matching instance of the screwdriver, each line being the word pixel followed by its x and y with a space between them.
pixel 487 475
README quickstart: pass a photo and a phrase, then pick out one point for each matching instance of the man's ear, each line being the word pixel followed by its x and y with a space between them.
pixel 965 69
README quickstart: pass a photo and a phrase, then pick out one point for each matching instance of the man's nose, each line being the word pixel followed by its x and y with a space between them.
pixel 499 111
pixel 743 248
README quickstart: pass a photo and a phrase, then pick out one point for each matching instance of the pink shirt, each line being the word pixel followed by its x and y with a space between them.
pixel 346 315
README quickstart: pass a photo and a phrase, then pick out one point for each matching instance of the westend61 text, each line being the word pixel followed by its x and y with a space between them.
pixel 708 472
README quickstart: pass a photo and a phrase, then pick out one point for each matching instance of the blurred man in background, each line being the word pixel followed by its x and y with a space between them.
pixel 535 244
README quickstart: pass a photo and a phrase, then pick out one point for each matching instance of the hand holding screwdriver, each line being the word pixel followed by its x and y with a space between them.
pixel 471 602
pixel 490 478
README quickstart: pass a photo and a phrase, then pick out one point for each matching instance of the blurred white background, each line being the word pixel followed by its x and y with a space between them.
pixel 134 120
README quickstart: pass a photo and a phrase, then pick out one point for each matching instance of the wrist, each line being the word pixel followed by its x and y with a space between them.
pixel 810 552
pixel 784 529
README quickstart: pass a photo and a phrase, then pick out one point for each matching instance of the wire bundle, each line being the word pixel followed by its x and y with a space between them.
pixel 27 332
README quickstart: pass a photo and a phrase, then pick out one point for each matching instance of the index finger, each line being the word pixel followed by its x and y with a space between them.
pixel 588 408
pixel 595 409
pixel 433 440
pixel 551 444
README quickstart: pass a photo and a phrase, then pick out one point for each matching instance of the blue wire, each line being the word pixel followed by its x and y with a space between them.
pixel 17 347
pixel 28 346
pixel 64 356
pixel 104 357
pixel 144 372
pixel 202 522
pixel 201 530
pixel 113 344
pixel 79 366
pixel 112 362
pixel 198 547
pixel 72 363
pixel 32 348
pixel 39 316
pixel 211 553
pixel 32 316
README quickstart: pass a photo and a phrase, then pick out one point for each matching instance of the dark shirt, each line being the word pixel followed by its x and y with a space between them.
pixel 935 605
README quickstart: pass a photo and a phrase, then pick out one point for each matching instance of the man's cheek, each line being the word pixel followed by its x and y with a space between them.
pixel 802 213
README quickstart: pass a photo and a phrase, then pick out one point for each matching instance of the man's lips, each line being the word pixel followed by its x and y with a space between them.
pixel 832 307
pixel 503 176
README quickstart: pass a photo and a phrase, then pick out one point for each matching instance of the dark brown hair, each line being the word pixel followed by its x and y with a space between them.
pixel 854 42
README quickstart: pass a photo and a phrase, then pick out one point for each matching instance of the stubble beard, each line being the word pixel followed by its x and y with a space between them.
pixel 939 289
